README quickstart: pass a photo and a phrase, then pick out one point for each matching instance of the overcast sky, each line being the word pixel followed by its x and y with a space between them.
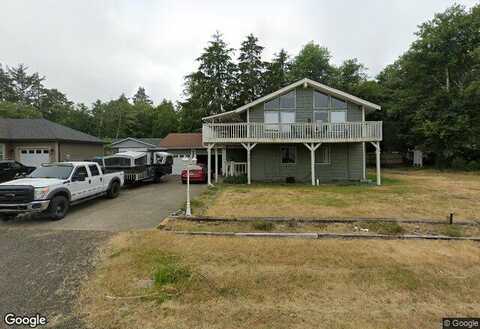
pixel 99 49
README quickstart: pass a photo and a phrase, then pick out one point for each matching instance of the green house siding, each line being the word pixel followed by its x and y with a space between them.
pixel 345 163
pixel 304 108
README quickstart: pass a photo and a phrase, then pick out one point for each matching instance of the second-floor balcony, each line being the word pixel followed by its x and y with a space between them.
pixel 257 132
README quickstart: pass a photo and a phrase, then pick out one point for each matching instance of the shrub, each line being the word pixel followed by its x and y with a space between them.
pixel 459 163
pixel 473 166
pixel 290 180
pixel 262 225
pixel 241 179
pixel 385 227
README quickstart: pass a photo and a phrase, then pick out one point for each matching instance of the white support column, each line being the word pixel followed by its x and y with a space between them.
pixel 312 147
pixel 216 165
pixel 209 163
pixel 364 149
pixel 224 161
pixel 249 147
pixel 377 153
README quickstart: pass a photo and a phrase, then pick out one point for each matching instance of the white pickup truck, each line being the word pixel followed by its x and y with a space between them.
pixel 52 188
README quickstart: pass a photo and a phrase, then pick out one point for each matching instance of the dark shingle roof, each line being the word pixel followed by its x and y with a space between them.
pixel 41 129
pixel 182 141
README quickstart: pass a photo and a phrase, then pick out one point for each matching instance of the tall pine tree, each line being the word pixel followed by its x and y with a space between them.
pixel 250 71
pixel 276 75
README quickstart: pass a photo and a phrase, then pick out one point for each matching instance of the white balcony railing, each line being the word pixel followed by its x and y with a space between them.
pixel 292 132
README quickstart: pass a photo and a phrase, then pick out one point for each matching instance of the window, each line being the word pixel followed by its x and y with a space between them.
pixel 287 101
pixel 94 170
pixel 320 100
pixel 322 155
pixel 38 151
pixel 24 151
pixel 31 151
pixel 338 103
pixel 320 116
pixel 141 161
pixel 288 154
pixel 80 171
pixel 338 116
pixel 272 119
pixel 45 151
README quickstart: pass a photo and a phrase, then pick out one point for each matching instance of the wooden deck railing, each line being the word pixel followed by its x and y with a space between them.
pixel 292 132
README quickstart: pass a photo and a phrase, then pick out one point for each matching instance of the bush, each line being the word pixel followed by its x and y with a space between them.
pixel 459 163
pixel 263 225
pixel 473 166
pixel 241 179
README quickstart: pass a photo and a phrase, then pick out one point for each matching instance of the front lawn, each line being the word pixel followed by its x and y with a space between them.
pixel 405 194
pixel 154 279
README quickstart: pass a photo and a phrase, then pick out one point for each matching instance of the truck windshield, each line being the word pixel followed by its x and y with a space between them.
pixel 60 172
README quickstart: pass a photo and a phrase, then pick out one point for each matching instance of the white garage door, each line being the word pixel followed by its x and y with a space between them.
pixel 177 165
pixel 34 157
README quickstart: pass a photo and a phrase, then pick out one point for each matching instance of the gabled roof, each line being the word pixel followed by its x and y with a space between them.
pixel 150 142
pixel 306 83
pixel 41 130
pixel 182 141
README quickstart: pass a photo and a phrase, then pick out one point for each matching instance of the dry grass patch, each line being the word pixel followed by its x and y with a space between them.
pixel 269 283
pixel 409 194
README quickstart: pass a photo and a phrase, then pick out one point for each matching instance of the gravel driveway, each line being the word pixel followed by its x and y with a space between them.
pixel 43 262
pixel 139 207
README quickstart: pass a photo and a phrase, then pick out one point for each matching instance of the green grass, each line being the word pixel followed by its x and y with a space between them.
pixel 387 228
pixel 169 275
pixel 263 225
pixel 452 231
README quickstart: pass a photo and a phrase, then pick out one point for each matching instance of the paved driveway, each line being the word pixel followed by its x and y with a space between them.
pixel 139 207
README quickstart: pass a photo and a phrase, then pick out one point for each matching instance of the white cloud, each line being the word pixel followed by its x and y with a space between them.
pixel 100 49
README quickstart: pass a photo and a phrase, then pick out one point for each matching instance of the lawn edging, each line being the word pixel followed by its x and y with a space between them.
pixel 322 236
pixel 473 222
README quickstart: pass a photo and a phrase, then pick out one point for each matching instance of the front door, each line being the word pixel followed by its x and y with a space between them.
pixel 80 183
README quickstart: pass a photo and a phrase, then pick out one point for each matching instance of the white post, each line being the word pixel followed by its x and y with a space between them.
pixel 209 163
pixel 248 147
pixel 364 149
pixel 216 165
pixel 188 211
pixel 377 151
pixel 312 149
pixel 224 161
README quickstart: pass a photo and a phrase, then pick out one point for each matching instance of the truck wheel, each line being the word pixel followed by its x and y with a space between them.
pixel 114 190
pixel 7 217
pixel 58 208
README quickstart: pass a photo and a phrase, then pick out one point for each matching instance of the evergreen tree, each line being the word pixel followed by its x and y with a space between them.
pixel 141 97
pixel 312 62
pixel 276 75
pixel 250 71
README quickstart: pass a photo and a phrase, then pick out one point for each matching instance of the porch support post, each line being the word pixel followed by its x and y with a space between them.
pixel 224 161
pixel 209 162
pixel 216 165
pixel 312 147
pixel 377 153
pixel 248 147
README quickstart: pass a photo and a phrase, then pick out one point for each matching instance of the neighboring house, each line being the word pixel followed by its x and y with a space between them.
pixel 184 145
pixel 36 141
pixel 307 131
pixel 135 144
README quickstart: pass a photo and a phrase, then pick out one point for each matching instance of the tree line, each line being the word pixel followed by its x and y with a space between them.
pixel 430 96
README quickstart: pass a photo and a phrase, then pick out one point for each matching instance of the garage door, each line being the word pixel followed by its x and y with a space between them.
pixel 34 157
pixel 177 165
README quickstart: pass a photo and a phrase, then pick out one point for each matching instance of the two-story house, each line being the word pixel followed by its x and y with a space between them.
pixel 307 131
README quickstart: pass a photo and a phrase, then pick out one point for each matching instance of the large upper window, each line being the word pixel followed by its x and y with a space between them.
pixel 338 103
pixel 320 100
pixel 286 101
pixel 338 116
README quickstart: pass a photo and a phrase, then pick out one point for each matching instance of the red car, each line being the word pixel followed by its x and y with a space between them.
pixel 198 174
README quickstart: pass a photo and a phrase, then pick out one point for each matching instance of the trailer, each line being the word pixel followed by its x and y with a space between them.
pixel 140 166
